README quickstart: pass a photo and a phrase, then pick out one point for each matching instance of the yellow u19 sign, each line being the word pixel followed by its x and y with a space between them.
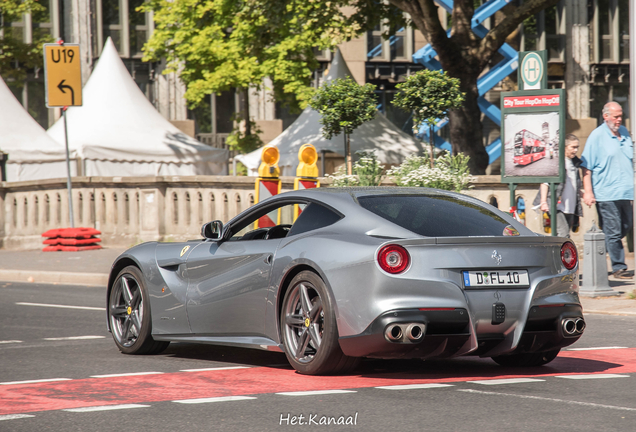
pixel 63 75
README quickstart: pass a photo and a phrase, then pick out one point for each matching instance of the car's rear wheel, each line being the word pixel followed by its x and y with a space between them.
pixel 527 359
pixel 129 314
pixel 309 330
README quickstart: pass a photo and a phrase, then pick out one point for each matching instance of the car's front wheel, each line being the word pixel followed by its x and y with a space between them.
pixel 527 359
pixel 309 330
pixel 129 314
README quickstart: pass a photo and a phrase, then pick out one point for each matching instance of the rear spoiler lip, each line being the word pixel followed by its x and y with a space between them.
pixel 539 240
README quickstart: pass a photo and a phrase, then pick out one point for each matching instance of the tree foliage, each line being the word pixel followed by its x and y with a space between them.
pixel 220 44
pixel 16 57
pixel 344 105
pixel 429 95
pixel 217 45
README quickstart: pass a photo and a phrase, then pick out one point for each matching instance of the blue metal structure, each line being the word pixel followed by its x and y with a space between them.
pixel 426 57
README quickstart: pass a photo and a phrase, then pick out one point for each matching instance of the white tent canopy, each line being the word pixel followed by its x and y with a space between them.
pixel 390 144
pixel 32 154
pixel 117 131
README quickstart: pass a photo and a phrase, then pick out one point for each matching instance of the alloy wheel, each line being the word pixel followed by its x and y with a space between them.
pixel 304 322
pixel 126 310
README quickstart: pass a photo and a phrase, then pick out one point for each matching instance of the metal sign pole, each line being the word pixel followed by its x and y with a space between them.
pixel 553 210
pixel 632 88
pixel 68 171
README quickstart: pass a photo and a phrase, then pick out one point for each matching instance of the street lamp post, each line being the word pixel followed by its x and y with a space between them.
pixel 632 88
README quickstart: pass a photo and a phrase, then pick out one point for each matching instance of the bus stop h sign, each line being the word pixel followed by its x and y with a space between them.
pixel 63 75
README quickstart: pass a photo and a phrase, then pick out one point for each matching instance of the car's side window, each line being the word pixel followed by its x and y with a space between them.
pixel 275 223
pixel 314 216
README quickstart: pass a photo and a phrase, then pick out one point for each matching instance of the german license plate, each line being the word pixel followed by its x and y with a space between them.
pixel 496 278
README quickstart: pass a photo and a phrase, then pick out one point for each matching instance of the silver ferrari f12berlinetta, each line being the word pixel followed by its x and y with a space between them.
pixel 331 275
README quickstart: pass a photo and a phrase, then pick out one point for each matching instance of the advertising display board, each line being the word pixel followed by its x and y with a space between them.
pixel 532 132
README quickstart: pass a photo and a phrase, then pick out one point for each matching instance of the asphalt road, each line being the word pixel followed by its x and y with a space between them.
pixel 204 388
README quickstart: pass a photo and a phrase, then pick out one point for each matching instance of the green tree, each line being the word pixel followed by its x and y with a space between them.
pixel 430 95
pixel 17 57
pixel 466 56
pixel 219 44
pixel 344 105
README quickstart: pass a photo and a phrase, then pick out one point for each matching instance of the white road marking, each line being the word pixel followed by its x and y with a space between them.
pixel 414 386
pixel 315 392
pixel 10 341
pixel 214 369
pixel 591 376
pixel 61 306
pixel 15 416
pixel 594 348
pixel 74 338
pixel 106 408
pixel 569 402
pixel 35 381
pixel 213 399
pixel 506 381
pixel 126 374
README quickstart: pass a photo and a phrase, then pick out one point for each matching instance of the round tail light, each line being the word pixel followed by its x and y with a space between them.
pixel 393 259
pixel 569 257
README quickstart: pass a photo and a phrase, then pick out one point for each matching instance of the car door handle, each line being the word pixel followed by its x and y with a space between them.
pixel 268 259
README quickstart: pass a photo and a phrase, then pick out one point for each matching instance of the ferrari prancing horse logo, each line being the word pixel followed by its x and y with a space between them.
pixel 184 250
pixel 496 256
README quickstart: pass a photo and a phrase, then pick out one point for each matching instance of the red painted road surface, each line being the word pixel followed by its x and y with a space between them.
pixel 26 398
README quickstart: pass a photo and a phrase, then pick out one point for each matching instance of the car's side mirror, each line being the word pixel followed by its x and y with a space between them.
pixel 212 230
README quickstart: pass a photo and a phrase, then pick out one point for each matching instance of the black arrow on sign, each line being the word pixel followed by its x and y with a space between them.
pixel 61 86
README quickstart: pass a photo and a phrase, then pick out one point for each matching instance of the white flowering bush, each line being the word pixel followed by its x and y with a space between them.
pixel 367 171
pixel 448 173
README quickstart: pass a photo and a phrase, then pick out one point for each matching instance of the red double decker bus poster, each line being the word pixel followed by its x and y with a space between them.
pixel 532 136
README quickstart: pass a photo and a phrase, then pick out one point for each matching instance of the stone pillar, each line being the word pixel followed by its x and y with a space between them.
pixel 77 29
pixel 169 92
pixel 577 57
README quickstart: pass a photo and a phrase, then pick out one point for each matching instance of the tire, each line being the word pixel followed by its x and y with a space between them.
pixel 309 329
pixel 129 314
pixel 528 359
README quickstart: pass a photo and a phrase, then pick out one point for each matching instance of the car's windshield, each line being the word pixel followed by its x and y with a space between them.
pixel 436 215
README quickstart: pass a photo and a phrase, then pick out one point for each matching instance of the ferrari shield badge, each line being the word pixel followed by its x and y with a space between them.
pixel 184 250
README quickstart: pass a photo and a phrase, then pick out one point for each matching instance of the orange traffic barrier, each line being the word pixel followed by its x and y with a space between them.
pixel 71 239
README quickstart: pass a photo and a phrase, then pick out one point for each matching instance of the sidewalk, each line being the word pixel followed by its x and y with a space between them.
pixel 91 268
pixel 82 268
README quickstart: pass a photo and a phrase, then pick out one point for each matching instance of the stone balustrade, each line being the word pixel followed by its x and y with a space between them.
pixel 130 210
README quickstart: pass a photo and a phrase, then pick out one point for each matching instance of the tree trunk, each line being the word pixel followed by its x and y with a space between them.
pixel 244 110
pixel 348 154
pixel 466 130
pixel 432 144
pixel 465 56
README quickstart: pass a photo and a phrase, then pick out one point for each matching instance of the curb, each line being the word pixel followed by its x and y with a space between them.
pixel 67 278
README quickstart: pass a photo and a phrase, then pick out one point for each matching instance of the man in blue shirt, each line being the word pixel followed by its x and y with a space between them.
pixel 608 181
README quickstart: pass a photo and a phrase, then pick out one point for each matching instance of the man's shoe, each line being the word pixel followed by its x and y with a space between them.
pixel 623 274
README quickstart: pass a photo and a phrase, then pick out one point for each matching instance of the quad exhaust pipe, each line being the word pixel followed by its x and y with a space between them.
pixel 573 326
pixel 405 333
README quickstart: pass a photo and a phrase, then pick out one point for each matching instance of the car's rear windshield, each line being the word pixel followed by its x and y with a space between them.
pixel 435 215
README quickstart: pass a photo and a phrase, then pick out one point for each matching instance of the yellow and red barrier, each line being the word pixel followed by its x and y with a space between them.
pixel 268 184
